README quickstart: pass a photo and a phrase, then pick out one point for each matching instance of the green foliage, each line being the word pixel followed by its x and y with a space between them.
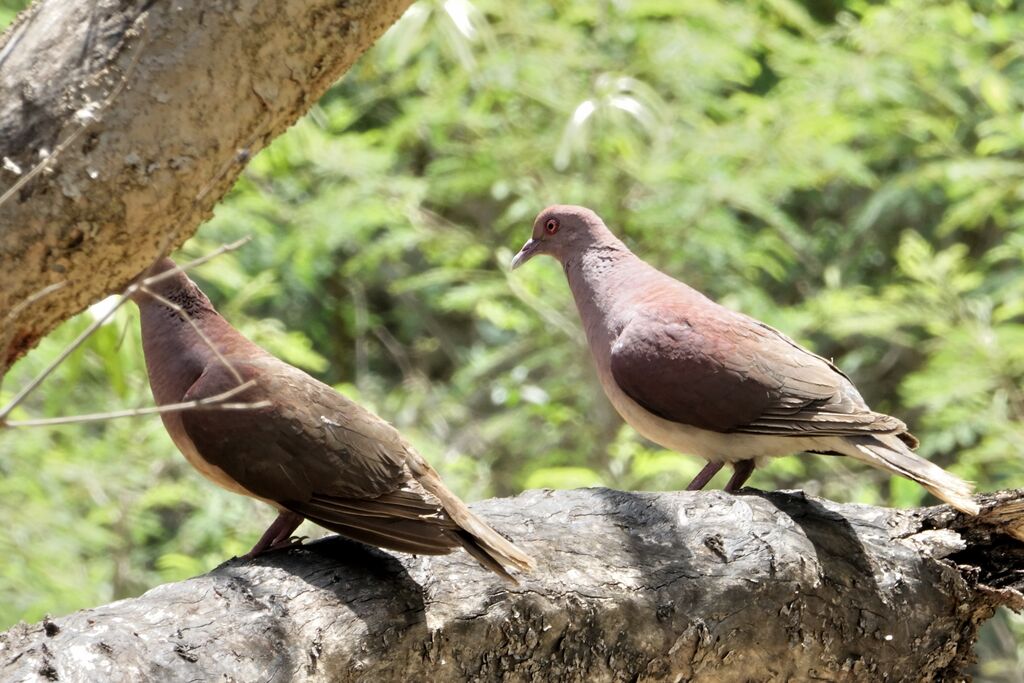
pixel 847 171
pixel 9 9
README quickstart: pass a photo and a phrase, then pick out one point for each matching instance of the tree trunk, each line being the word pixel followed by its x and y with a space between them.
pixel 154 108
pixel 631 586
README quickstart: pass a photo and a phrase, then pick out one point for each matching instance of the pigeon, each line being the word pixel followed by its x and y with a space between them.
pixel 303 448
pixel 699 378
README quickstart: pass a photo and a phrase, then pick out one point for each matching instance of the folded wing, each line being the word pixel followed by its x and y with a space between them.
pixel 729 373
pixel 318 454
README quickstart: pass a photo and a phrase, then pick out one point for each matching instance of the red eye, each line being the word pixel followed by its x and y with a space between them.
pixel 551 226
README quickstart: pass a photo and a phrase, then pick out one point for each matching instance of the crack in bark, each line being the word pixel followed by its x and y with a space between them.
pixel 811 590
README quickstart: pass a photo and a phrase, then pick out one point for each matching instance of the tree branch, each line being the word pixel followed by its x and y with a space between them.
pixel 142 284
pixel 669 586
pixel 155 107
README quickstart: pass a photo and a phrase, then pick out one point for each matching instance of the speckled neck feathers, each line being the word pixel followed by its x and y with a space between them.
pixel 176 353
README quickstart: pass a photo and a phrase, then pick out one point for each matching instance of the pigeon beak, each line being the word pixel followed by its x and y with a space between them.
pixel 526 253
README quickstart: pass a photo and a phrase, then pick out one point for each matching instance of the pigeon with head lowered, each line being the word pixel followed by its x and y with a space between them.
pixel 308 451
pixel 699 378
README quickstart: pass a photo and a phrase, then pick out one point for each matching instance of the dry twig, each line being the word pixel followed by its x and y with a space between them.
pixel 217 402
pixel 141 285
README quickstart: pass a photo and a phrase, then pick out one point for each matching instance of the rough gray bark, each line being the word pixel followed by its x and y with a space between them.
pixel 631 586
pixel 176 97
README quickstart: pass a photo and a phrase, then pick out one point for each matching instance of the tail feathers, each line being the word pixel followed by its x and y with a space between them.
pixel 483 556
pixel 425 519
pixel 383 539
pixel 890 453
pixel 408 536
pixel 491 549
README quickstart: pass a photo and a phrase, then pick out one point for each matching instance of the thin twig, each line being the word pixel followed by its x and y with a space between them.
pixel 209 403
pixel 31 299
pixel 12 316
pixel 31 386
pixel 189 265
pixel 242 156
pixel 131 289
pixel 202 335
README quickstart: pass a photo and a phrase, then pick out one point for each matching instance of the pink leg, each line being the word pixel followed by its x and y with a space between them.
pixel 704 476
pixel 277 535
pixel 741 472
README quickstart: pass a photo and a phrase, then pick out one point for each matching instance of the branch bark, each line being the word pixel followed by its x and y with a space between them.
pixel 631 586
pixel 158 106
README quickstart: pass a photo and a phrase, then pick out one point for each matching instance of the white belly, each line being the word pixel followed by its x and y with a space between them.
pixel 712 446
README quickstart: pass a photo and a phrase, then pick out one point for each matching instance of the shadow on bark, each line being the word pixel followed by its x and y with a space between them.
pixel 630 586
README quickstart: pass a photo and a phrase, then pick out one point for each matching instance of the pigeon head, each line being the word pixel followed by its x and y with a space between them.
pixel 562 230
pixel 175 287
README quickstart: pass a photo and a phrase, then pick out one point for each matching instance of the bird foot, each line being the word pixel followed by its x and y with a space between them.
pixel 704 476
pixel 278 535
pixel 290 542
pixel 741 472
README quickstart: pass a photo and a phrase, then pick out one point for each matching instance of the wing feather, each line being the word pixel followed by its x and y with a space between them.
pixel 320 455
pixel 726 372
pixel 310 440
